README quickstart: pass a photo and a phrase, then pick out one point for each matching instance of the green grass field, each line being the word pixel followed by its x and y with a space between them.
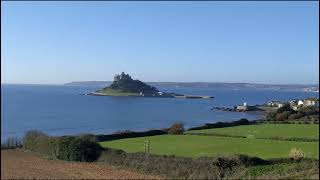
pixel 197 146
pixel 267 130
pixel 112 92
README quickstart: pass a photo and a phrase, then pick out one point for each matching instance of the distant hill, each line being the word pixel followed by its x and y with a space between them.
pixel 236 86
pixel 89 83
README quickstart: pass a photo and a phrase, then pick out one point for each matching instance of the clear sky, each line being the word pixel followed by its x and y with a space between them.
pixel 255 42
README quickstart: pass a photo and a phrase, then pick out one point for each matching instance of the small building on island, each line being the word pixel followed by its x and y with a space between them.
pixel 276 104
pixel 245 107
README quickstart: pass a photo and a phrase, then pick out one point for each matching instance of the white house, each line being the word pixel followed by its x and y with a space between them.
pixel 295 108
pixel 300 102
pixel 311 102
pixel 276 103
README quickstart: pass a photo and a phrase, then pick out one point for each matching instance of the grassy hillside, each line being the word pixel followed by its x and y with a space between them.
pixel 114 92
pixel 267 130
pixel 196 146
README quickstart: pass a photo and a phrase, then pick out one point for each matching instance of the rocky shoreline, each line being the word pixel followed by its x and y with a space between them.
pixel 169 95
pixel 234 109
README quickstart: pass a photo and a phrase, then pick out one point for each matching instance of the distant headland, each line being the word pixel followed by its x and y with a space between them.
pixel 124 85
pixel 215 85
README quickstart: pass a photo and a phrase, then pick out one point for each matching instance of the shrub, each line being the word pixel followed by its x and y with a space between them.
pixel 84 149
pixel 40 142
pixel 296 154
pixel 284 108
pixel 283 116
pixel 180 167
pixel 69 148
pixel 295 116
pixel 309 110
pixel 280 117
pixel 176 129
pixel 271 116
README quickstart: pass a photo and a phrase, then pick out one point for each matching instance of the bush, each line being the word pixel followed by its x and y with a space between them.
pixel 84 149
pixel 40 142
pixel 284 108
pixel 309 110
pixel 296 154
pixel 69 148
pixel 295 116
pixel 180 167
pixel 280 117
pixel 271 116
pixel 176 129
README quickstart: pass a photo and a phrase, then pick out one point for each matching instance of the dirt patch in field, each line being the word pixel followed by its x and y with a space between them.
pixel 18 164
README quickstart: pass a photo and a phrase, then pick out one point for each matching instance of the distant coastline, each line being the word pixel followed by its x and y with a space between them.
pixel 235 86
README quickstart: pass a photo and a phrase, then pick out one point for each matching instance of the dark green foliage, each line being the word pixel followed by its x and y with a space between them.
pixel 128 134
pixel 284 108
pixel 309 110
pixel 84 149
pixel 285 170
pixel 295 116
pixel 180 167
pixel 11 143
pixel 271 116
pixel 64 148
pixel 285 114
pixel 220 167
pixel 125 83
pixel 224 124
pixel 176 129
pixel 292 139
pixel 69 148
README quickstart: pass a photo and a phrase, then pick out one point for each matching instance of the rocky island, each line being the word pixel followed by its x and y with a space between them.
pixel 124 85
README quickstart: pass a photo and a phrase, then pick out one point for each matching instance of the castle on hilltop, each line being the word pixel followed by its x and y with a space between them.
pixel 122 76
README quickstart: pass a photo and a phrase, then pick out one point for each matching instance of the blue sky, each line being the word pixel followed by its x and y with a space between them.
pixel 255 42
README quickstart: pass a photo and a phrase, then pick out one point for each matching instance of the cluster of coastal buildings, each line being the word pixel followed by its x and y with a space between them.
pixel 295 104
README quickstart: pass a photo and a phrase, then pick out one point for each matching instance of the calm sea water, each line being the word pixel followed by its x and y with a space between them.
pixel 61 110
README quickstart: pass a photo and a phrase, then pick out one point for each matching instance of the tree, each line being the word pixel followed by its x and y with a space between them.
pixel 285 107
pixel 176 129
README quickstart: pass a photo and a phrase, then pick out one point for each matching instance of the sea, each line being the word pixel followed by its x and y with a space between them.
pixel 63 110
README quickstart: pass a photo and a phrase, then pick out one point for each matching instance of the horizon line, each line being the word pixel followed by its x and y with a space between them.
pixel 3 83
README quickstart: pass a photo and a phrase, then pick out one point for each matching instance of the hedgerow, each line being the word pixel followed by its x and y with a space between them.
pixel 180 167
pixel 69 148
